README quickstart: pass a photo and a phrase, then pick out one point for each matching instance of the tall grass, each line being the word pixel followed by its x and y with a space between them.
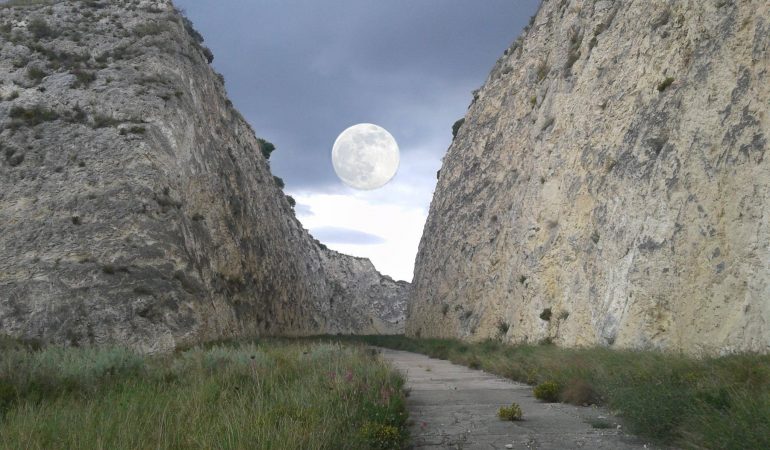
pixel 720 403
pixel 265 395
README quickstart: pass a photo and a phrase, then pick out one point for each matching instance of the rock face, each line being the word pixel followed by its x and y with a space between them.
pixel 609 185
pixel 135 204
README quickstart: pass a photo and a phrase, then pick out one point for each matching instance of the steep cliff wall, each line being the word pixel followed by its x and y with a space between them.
pixel 609 184
pixel 135 204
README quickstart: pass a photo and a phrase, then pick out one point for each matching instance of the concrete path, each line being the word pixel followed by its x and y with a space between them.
pixel 454 407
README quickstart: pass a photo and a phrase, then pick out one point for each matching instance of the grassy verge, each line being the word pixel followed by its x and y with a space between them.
pixel 269 395
pixel 673 399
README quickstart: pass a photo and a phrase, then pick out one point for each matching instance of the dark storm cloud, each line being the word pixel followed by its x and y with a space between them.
pixel 301 71
pixel 337 235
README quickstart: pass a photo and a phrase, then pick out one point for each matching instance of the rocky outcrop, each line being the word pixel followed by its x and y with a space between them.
pixel 610 185
pixel 135 204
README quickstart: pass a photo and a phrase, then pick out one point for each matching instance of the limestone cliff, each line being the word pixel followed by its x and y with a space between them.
pixel 135 204
pixel 609 184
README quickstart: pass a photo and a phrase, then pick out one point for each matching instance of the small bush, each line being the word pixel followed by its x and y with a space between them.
pixel 40 29
pixel 208 54
pixel 101 121
pixel 134 129
pixel 77 115
pixel 547 391
pixel 83 78
pixel 291 201
pixel 279 181
pixel 546 314
pixel 36 74
pixel 665 84
pixel 32 116
pixel 503 327
pixel 511 413
pixel 267 148
pixel 456 127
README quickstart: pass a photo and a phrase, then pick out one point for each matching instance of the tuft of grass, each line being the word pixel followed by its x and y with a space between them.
pixel 264 395
pixel 672 399
pixel 512 412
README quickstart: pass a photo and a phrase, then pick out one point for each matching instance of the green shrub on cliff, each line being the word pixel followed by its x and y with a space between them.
pixel 267 148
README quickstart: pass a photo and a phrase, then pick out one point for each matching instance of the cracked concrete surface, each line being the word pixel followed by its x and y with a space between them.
pixel 454 407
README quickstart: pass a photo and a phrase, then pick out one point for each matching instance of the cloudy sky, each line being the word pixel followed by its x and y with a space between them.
pixel 302 71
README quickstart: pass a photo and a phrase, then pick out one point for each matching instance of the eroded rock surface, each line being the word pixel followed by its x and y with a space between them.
pixel 135 204
pixel 610 185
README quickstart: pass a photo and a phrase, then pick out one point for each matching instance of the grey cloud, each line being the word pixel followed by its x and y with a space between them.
pixel 303 210
pixel 338 235
pixel 301 71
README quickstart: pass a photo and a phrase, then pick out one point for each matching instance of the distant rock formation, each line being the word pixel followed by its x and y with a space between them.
pixel 135 204
pixel 610 185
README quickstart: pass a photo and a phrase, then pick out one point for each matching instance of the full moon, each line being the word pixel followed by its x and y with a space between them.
pixel 365 156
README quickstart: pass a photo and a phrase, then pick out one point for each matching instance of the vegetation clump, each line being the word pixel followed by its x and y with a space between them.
pixel 83 78
pixel 31 116
pixel 456 127
pixel 547 391
pixel 40 29
pixel 665 84
pixel 36 74
pixel 511 413
pixel 267 148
